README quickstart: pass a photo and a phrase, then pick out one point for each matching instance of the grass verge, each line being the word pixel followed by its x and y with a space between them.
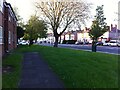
pixel 11 79
pixel 79 69
pixel 82 69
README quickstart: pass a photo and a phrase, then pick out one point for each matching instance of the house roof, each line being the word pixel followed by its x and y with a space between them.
pixel 9 6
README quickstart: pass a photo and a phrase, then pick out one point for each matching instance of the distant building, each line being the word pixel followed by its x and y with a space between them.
pixel 70 35
pixel 105 36
pixel 63 36
pixel 83 35
pixel 78 35
pixel 112 34
pixel 119 15
pixel 50 38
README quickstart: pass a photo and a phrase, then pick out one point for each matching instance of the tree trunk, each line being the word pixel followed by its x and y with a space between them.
pixel 56 41
pixel 94 46
pixel 31 42
pixel 60 40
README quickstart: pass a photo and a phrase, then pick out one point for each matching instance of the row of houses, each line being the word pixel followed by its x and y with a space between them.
pixel 8 23
pixel 119 15
pixel 83 35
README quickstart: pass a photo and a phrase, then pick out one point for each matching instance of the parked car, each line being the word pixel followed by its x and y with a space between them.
pixel 106 43
pixel 78 42
pixel 90 42
pixel 24 43
pixel 118 44
pixel 86 42
pixel 113 43
pixel 99 43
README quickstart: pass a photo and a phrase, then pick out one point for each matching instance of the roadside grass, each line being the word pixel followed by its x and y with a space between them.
pixel 76 68
pixel 82 69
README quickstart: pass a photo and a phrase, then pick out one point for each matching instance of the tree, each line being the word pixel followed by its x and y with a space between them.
pixel 99 27
pixel 19 18
pixel 20 32
pixel 60 14
pixel 35 28
pixel 20 24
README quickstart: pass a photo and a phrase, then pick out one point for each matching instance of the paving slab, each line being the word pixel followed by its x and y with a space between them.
pixel 37 74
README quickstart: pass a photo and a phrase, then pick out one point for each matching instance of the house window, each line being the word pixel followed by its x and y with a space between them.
pixel 1 35
pixel 9 18
pixel 9 39
pixel 12 38
pixel 72 37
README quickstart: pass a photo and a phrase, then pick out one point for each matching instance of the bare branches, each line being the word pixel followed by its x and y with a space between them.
pixel 61 13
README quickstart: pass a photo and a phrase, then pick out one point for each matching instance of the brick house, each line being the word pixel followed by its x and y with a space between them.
pixel 83 35
pixel 1 29
pixel 63 36
pixel 78 35
pixel 119 15
pixel 112 34
pixel 8 24
pixel 73 35
pixel 50 37
pixel 70 35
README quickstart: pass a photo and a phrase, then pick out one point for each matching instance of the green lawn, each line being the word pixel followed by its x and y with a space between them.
pixel 78 69
pixel 10 80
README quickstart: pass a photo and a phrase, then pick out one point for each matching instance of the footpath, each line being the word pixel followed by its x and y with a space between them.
pixel 37 74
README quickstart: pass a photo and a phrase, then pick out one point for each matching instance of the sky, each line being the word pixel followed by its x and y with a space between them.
pixel 26 8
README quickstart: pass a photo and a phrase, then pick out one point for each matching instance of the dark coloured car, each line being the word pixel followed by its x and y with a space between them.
pixel 99 43
pixel 86 43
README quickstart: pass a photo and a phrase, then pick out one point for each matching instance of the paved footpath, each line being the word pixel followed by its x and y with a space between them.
pixel 37 74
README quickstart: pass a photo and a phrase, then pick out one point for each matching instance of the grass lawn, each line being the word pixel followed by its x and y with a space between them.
pixel 11 79
pixel 76 68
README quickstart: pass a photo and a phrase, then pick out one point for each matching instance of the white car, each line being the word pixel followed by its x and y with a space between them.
pixel 118 44
pixel 105 44
pixel 24 43
pixel 113 43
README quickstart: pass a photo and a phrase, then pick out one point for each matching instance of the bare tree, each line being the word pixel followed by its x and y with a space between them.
pixel 60 14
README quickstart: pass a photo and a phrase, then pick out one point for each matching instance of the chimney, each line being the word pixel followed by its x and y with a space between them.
pixel 115 26
pixel 111 27
pixel 108 27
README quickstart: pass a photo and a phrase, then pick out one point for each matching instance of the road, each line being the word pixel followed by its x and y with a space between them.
pixel 103 49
